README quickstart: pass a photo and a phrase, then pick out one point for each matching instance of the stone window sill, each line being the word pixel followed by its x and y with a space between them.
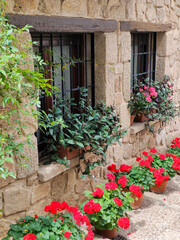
pixel 47 172
pixel 138 127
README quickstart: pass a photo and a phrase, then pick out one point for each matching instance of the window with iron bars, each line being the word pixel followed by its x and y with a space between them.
pixel 69 62
pixel 143 57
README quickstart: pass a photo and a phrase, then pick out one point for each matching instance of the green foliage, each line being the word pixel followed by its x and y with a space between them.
pixel 139 176
pixel 45 228
pixel 175 147
pixel 158 106
pixel 81 126
pixel 18 91
pixel 110 212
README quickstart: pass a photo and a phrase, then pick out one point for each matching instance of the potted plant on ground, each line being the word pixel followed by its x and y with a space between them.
pixel 135 179
pixel 65 223
pixel 106 209
pixel 81 127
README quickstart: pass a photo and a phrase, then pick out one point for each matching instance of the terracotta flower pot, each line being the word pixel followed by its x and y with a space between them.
pixel 107 233
pixel 159 189
pixel 137 201
pixel 140 117
pixel 132 120
pixel 65 152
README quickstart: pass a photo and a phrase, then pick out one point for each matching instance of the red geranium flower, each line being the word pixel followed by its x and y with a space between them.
pixel 112 168
pixel 138 159
pixel 29 236
pixel 150 158
pixel 110 176
pixel 67 234
pixel 122 181
pixel 166 178
pixel 118 201
pixel 36 216
pixel 92 207
pixel 98 193
pixel 111 185
pixel 153 150
pixel 145 154
pixel 162 156
pixel 125 168
pixel 124 222
pixel 90 235
pixel 135 190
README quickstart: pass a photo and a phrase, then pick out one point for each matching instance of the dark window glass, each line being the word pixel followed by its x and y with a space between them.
pixel 143 57
pixel 70 63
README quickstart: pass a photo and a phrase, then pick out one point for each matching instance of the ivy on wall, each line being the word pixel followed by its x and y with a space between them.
pixel 19 91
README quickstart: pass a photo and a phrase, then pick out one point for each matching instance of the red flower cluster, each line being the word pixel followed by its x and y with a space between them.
pixel 67 234
pixel 124 222
pixel 135 190
pixel 175 143
pixel 112 168
pixel 56 206
pixel 153 150
pixel 118 201
pixel 110 176
pixel 111 185
pixel 99 192
pixel 122 181
pixel 159 178
pixel 29 236
pixel 162 156
pixel 92 207
pixel 138 159
pixel 145 163
pixel 125 168
pixel 145 154
pixel 176 163
pixel 90 235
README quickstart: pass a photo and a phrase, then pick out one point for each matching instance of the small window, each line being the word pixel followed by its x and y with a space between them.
pixel 70 63
pixel 143 57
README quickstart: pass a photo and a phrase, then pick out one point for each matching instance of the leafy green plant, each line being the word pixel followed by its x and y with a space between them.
pixel 80 125
pixel 175 147
pixel 65 223
pixel 18 92
pixel 107 207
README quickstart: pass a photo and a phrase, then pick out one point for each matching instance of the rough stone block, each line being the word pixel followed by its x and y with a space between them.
pixel 125 115
pixel 125 46
pixel 33 163
pixel 118 98
pixel 49 7
pixel 126 81
pixel 38 207
pixel 47 172
pixel 21 200
pixel 131 10
pixel 1 202
pixel 141 10
pixel 161 13
pixel 11 168
pixel 40 191
pixel 135 150
pixel 117 85
pixel 82 185
pixel 58 186
pixel 74 8
pixel 71 178
pixel 151 13
pixel 31 180
pixel 25 6
pixel 127 151
pixel 117 10
pixel 118 68
pixel 118 152
pixel 111 48
pixel 93 9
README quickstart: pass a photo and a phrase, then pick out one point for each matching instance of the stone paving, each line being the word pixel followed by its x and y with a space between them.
pixel 159 216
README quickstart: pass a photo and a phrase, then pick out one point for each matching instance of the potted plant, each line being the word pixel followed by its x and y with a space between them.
pixel 106 209
pixel 64 223
pixel 140 102
pixel 135 179
pixel 175 147
pixel 81 127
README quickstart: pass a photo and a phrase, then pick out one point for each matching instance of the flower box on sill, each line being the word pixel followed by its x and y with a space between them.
pixel 66 152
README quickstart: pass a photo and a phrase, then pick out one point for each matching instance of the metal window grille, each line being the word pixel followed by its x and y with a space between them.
pixel 143 57
pixel 69 62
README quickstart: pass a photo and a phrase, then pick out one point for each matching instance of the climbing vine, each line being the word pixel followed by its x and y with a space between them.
pixel 19 91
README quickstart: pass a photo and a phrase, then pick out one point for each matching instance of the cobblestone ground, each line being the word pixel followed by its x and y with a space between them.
pixel 159 216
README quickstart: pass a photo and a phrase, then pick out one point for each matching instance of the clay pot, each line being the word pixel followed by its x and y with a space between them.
pixel 140 117
pixel 65 152
pixel 159 189
pixel 132 120
pixel 137 201
pixel 107 233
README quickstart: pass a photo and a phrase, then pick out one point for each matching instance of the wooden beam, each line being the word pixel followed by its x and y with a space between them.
pixel 62 24
pixel 144 26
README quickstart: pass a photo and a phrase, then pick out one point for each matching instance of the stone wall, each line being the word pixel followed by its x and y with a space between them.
pixel 37 186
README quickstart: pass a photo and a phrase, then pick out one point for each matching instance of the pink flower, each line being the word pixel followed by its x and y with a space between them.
pixel 148 99
pixel 140 89
pixel 152 89
pixel 146 87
